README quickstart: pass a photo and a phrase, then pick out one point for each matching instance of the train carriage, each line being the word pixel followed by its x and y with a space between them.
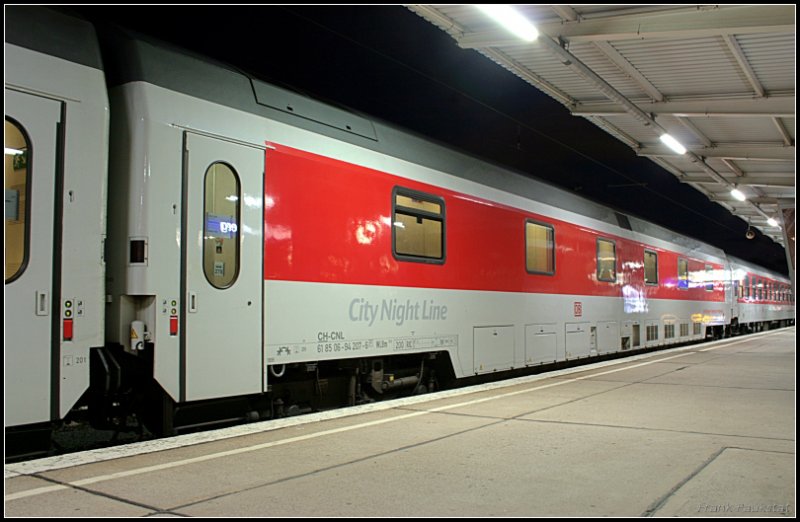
pixel 270 250
pixel 56 135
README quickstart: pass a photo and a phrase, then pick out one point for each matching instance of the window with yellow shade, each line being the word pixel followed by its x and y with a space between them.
pixel 540 256
pixel 16 175
pixel 418 226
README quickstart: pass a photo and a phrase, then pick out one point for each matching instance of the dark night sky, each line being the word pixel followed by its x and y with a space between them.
pixel 387 62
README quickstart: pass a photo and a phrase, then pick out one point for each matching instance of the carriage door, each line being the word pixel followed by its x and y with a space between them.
pixel 222 279
pixel 31 178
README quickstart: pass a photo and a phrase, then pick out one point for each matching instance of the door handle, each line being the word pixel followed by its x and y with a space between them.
pixel 192 302
pixel 42 303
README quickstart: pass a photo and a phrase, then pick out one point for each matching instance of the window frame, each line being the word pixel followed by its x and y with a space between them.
pixel 237 241
pixel 669 331
pixel 551 248
pixel 685 280
pixel 423 196
pixel 644 260
pixel 709 285
pixel 597 259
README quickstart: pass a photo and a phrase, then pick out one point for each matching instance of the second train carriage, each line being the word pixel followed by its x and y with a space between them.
pixel 258 239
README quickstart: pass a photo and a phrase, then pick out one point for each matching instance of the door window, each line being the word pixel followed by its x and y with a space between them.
pixel 16 174
pixel 221 225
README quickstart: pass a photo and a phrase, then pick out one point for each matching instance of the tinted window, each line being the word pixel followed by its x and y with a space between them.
pixel 650 267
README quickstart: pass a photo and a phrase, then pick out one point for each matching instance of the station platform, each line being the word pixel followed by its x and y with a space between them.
pixel 704 430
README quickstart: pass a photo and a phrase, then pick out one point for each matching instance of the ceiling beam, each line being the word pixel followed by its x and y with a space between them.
pixel 763 200
pixel 741 59
pixel 529 76
pixel 733 106
pixel 734 151
pixel 787 138
pixel 691 127
pixel 633 73
pixel 756 181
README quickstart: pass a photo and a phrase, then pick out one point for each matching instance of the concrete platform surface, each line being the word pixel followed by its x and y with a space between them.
pixel 707 430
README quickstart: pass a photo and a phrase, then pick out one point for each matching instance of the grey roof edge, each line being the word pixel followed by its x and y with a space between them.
pixel 757 269
pixel 52 32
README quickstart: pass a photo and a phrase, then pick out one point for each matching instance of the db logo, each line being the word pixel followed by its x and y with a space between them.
pixel 578 307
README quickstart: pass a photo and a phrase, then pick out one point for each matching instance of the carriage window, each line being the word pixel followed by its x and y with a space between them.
pixel 221 225
pixel 418 226
pixel 746 286
pixel 650 268
pixel 709 278
pixel 606 260
pixel 540 252
pixel 652 332
pixel 683 274
pixel 669 331
pixel 16 183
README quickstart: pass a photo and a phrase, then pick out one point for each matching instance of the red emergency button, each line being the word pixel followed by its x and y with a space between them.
pixel 173 325
pixel 67 329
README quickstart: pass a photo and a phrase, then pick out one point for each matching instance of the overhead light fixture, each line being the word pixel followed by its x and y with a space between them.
pixel 672 143
pixel 511 20
pixel 13 152
pixel 738 194
pixel 771 222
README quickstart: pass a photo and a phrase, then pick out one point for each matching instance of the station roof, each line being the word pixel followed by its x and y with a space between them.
pixel 720 79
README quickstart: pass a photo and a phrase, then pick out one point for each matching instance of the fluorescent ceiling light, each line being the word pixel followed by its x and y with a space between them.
pixel 13 152
pixel 511 20
pixel 771 222
pixel 673 144
pixel 738 194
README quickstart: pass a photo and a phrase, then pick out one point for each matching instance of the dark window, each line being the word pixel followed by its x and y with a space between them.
pixel 652 332
pixel 418 229
pixel 606 260
pixel 650 267
pixel 540 248
pixel 683 274
pixel 669 331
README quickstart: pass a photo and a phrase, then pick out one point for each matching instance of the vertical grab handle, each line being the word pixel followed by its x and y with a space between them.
pixel 42 303
pixel 192 302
